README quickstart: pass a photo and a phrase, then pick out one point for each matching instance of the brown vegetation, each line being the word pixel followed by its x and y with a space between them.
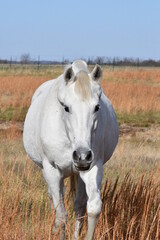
pixel 131 182
pixel 147 76
pixel 131 201
pixel 17 91
pixel 133 98
pixel 130 91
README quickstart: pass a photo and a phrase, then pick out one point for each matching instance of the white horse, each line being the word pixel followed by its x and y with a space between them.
pixel 71 129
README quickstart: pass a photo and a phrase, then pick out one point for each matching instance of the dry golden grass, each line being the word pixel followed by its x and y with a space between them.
pixel 17 91
pixel 130 91
pixel 131 202
pixel 131 183
pixel 149 76
pixel 133 98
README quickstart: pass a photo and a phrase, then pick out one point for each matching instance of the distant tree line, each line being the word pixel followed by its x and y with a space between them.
pixel 109 61
pixel 116 61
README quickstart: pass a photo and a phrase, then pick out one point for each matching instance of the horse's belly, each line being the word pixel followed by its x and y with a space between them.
pixel 30 138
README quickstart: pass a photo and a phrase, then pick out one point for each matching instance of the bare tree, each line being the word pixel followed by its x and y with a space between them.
pixel 25 58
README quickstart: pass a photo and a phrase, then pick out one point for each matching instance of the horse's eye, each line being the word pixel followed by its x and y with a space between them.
pixel 66 108
pixel 97 107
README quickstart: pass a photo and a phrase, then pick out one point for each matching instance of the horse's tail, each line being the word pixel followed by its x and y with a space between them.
pixel 73 185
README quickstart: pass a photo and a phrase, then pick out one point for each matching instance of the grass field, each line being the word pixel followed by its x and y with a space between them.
pixel 131 183
pixel 135 93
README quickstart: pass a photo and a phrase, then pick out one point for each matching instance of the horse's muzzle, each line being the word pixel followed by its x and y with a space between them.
pixel 82 159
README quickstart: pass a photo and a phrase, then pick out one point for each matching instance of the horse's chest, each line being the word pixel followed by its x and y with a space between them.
pixel 58 152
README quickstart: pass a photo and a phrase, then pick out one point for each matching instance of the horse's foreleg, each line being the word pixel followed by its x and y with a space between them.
pixel 93 179
pixel 80 207
pixel 56 190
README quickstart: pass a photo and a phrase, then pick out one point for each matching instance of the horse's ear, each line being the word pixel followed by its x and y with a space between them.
pixel 97 73
pixel 68 74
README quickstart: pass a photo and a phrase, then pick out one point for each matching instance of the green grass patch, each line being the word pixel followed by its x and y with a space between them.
pixel 141 119
pixel 51 71
pixel 13 114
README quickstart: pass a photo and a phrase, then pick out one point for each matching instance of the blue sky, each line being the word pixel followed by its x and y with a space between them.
pixel 53 29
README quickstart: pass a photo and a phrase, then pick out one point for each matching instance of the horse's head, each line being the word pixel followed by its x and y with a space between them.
pixel 79 97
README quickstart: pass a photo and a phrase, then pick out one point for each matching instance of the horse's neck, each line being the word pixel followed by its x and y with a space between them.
pixel 53 91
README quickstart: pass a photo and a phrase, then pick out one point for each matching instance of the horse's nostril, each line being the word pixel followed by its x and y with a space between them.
pixel 75 155
pixel 89 155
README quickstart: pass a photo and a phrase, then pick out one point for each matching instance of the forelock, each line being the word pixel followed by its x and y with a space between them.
pixel 83 85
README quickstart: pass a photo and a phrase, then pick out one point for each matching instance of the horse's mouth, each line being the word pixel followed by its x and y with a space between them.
pixel 82 168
